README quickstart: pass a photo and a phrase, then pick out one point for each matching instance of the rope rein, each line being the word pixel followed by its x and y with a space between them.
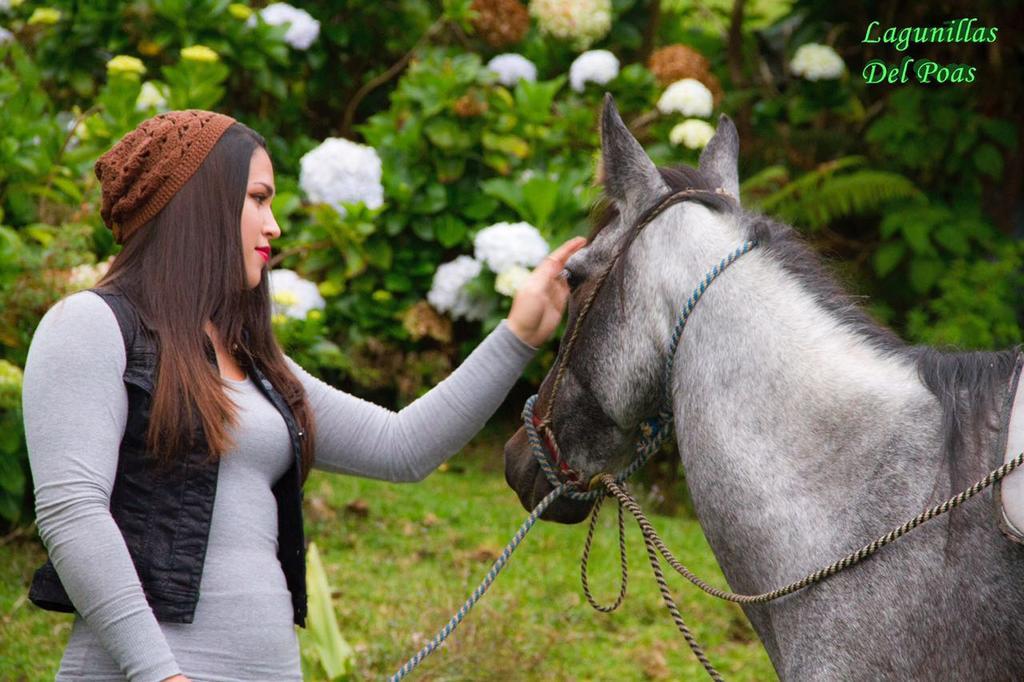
pixel 653 432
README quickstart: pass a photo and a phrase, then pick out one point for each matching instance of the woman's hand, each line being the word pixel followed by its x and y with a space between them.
pixel 177 678
pixel 538 305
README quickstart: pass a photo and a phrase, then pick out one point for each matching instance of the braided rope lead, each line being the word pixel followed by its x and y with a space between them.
pixel 623 561
pixel 849 560
pixel 499 564
pixel 673 609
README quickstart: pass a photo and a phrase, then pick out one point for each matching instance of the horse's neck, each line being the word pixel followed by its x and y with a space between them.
pixel 788 424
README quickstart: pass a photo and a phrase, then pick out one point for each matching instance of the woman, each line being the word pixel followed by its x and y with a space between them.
pixel 168 485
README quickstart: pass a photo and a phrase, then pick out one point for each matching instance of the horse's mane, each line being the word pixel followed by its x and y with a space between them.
pixel 969 385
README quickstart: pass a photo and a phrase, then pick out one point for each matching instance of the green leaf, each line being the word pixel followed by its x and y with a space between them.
pixel 924 273
pixel 330 287
pixel 508 144
pixel 479 206
pixel 917 236
pixel 69 187
pixel 397 282
pixel 449 169
pixel 888 257
pixel 448 135
pixel 499 162
pixel 1000 130
pixel 953 238
pixel 449 230
pixel 435 200
pixel 41 232
pixel 989 161
pixel 355 263
pixel 423 228
pixel 541 196
pixel 286 203
pixel 379 253
pixel 507 191
pixel 534 99
pixel 336 655
pixel 394 224
pixel 12 476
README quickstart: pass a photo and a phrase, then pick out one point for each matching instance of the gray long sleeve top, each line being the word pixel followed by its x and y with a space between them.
pixel 75 408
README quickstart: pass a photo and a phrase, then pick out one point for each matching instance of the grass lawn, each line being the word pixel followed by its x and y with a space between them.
pixel 402 559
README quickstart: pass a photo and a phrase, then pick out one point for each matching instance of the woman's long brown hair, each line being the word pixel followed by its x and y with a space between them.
pixel 185 267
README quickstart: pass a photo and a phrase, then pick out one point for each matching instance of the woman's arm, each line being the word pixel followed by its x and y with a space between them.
pixel 355 436
pixel 75 409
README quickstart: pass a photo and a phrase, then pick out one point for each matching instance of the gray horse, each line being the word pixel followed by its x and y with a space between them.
pixel 805 428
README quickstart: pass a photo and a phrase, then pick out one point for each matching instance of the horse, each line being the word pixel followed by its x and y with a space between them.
pixel 805 428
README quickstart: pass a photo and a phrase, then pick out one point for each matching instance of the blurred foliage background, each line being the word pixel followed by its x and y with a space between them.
pixel 911 190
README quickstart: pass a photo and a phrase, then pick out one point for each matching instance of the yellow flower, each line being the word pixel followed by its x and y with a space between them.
pixel 15 3
pixel 10 385
pixel 199 53
pixel 240 11
pixel 315 314
pixel 381 295
pixel 279 318
pixel 44 15
pixel 123 63
pixel 10 374
pixel 285 299
pixel 148 48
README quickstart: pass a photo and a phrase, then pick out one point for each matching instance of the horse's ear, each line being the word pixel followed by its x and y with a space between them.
pixel 719 160
pixel 629 175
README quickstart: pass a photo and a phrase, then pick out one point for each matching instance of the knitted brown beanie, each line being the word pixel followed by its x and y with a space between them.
pixel 140 174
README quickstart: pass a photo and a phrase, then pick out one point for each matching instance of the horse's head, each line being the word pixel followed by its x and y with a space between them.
pixel 613 371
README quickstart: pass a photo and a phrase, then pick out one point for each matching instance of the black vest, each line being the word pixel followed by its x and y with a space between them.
pixel 164 514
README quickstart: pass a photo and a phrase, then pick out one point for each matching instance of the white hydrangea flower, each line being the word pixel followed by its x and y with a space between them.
pixel 817 62
pixel 151 95
pixel 5 36
pixel 688 96
pixel 693 133
pixel 304 28
pixel 503 245
pixel 509 281
pixel 595 66
pixel 448 294
pixel 512 67
pixel 292 295
pixel 583 22
pixel 86 275
pixel 341 170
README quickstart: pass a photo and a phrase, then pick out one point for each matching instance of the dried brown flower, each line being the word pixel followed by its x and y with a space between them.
pixel 500 23
pixel 676 62
pixel 469 106
pixel 420 319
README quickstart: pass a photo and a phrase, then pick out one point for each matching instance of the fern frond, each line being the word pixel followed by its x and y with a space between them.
pixel 807 182
pixel 826 193
pixel 849 194
pixel 766 178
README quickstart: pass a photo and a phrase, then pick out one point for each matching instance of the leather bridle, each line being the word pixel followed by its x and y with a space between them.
pixel 544 424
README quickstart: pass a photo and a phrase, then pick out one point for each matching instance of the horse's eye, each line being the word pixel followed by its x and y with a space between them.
pixel 571 278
